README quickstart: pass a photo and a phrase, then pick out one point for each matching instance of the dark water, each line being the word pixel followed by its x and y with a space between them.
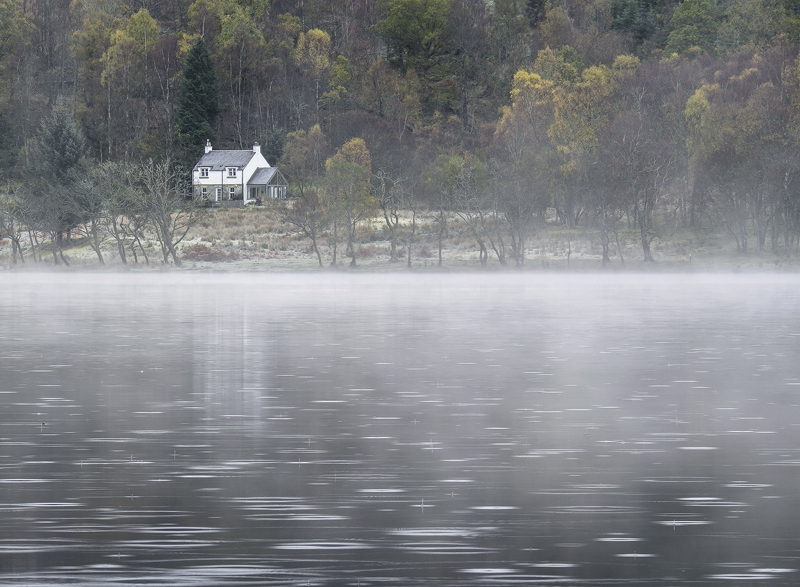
pixel 414 430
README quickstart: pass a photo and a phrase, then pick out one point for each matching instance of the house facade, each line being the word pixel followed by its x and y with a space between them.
pixel 235 178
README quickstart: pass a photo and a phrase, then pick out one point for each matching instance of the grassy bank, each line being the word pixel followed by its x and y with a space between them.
pixel 257 240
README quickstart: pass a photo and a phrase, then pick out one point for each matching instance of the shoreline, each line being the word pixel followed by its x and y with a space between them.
pixel 764 264
pixel 254 240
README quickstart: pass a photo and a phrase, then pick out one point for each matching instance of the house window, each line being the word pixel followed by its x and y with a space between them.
pixel 204 193
pixel 231 192
pixel 217 194
pixel 204 172
pixel 231 171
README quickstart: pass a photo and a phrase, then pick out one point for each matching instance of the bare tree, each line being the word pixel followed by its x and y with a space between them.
pixel 388 192
pixel 87 201
pixel 164 197
pixel 11 221
pixel 411 203
pixel 307 215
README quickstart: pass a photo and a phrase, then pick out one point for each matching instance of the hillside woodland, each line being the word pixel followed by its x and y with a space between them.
pixel 500 117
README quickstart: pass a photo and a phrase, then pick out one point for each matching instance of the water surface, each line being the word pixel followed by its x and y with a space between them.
pixel 443 430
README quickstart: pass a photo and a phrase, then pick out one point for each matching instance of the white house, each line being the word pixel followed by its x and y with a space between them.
pixel 236 178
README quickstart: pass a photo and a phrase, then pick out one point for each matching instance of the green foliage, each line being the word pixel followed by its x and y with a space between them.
pixel 347 198
pixel 273 150
pixel 237 32
pixel 546 102
pixel 557 28
pixel 287 31
pixel 89 45
pixel 198 105
pixel 752 23
pixel 143 29
pixel 59 146
pixel 303 158
pixel 695 24
pixel 313 51
pixel 534 11
pixel 571 57
pixel 338 82
pixel 637 17
pixel 414 32
pixel 16 33
pixel 15 28
pixel 552 66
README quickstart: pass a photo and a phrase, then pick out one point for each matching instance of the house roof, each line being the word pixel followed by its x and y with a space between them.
pixel 223 159
pixel 262 176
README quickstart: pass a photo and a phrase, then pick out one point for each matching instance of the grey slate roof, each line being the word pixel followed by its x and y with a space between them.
pixel 221 159
pixel 262 176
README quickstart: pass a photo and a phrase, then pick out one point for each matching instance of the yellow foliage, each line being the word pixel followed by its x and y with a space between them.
pixel 581 111
pixel 143 28
pixel 355 151
pixel 625 63
pixel 313 50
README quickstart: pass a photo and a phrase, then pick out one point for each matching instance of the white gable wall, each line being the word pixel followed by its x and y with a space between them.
pixel 256 162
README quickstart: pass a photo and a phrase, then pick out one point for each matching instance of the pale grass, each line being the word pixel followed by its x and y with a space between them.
pixel 259 240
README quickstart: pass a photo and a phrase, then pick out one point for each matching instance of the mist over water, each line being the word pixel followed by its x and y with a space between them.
pixel 198 429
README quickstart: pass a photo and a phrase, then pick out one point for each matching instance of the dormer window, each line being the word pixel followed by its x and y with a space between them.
pixel 231 171
pixel 204 172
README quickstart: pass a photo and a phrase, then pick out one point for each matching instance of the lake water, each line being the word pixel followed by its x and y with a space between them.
pixel 220 429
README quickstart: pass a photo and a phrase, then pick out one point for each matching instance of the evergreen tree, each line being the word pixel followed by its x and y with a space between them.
pixel 695 24
pixel 57 156
pixel 276 141
pixel 59 146
pixel 198 104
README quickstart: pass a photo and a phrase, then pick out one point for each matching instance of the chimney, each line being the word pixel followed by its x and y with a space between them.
pixel 209 148
pixel 256 148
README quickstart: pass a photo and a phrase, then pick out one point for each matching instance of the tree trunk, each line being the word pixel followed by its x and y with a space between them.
pixel 96 242
pixel 53 248
pixel 121 249
pixel 316 248
pixel 619 248
pixel 393 250
pixel 335 241
pixel 351 242
pixel 442 228
pixel 174 254
pixel 648 258
pixel 411 238
pixel 141 248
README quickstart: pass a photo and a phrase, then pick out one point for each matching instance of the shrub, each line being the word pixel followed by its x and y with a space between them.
pixel 201 252
pixel 366 252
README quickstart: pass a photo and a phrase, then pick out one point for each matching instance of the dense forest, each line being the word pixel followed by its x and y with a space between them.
pixel 507 113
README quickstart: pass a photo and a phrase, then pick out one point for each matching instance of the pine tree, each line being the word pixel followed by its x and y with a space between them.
pixel 56 161
pixel 59 146
pixel 198 105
